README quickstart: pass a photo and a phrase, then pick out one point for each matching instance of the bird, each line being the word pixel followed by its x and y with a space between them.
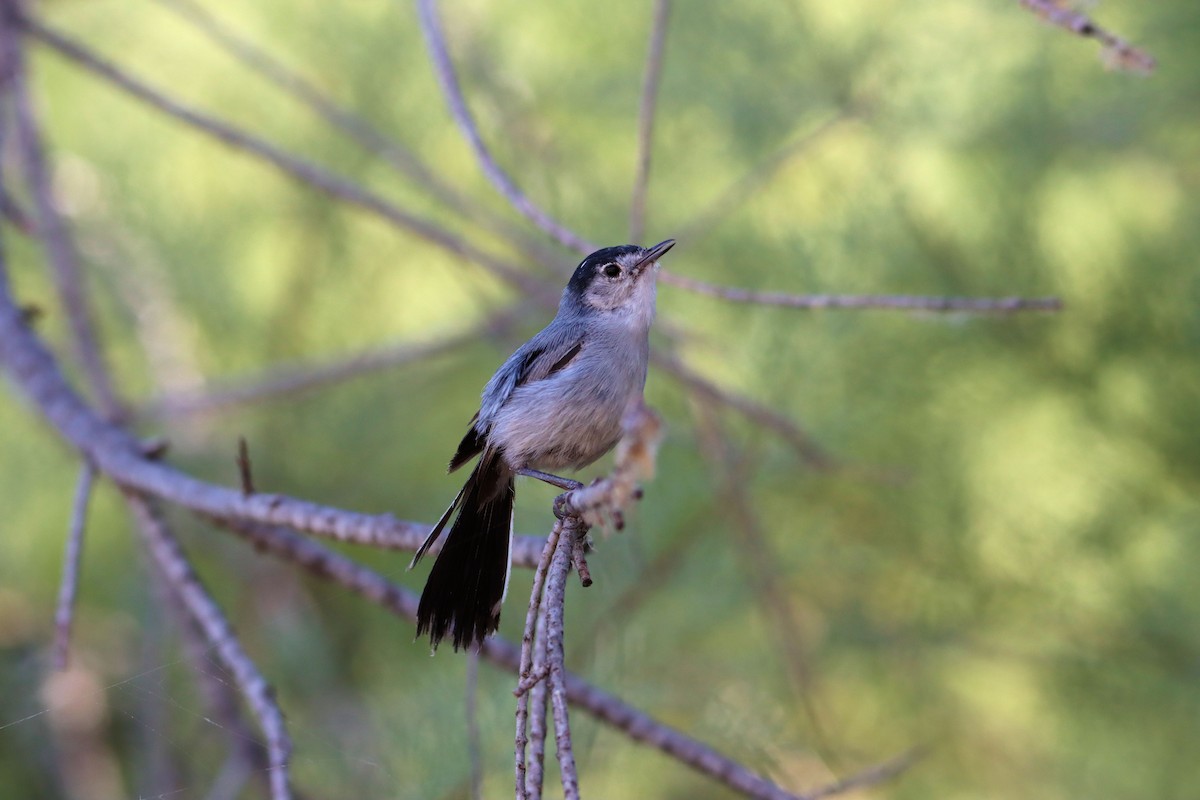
pixel 556 403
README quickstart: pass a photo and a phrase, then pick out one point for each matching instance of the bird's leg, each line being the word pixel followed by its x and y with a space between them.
pixel 566 484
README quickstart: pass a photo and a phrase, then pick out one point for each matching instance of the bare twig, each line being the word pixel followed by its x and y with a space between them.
pixel 535 604
pixel 607 498
pixel 1117 53
pixel 336 568
pixel 576 511
pixel 68 279
pixel 525 666
pixel 805 446
pixel 169 557
pixel 247 754
pixel 318 177
pixel 355 126
pixel 969 305
pixel 118 456
pixel 52 230
pixel 649 104
pixel 436 41
pixel 67 590
pixel 243 465
pixel 164 550
pixel 300 378
pixel 871 776
pixel 556 584
pixel 579 558
pixel 539 697
pixel 537 675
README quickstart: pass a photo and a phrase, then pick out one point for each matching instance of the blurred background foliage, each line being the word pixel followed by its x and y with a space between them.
pixel 1001 566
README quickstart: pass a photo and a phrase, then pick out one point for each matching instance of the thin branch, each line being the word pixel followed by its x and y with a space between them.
pixel 247 754
pixel 356 127
pixel 605 500
pixel 556 584
pixel 336 568
pixel 298 379
pixel 871 776
pixel 640 727
pixel 244 467
pixel 60 248
pixel 117 455
pixel 165 551
pixel 436 41
pixel 646 111
pixel 68 280
pixel 1116 52
pixel 576 511
pixel 805 446
pixel 525 667
pixel 322 179
pixel 579 557
pixel 65 612
pixel 539 698
pixel 970 305
pixel 170 559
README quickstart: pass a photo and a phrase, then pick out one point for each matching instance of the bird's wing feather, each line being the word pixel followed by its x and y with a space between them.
pixel 541 364
pixel 545 354
pixel 470 446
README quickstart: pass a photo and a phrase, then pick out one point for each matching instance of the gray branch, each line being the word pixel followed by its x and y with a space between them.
pixel 116 454
pixel 297 379
pixel 858 302
pixel 646 113
pixel 318 177
pixel 1116 51
pixel 69 586
pixel 336 568
pixel 435 39
pixel 360 130
pixel 556 586
pixel 52 230
pixel 170 559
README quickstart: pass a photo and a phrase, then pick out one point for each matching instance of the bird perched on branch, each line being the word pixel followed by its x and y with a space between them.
pixel 556 403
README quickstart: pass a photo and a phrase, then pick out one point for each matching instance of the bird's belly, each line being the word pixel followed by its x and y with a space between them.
pixel 558 430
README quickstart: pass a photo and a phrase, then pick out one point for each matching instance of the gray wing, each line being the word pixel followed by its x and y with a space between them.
pixel 548 352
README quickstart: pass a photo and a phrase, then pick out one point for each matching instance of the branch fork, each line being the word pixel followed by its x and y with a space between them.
pixel 542 654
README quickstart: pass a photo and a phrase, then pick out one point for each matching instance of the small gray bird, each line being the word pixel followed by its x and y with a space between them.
pixel 556 403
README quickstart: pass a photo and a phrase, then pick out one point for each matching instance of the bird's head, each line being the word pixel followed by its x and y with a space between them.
pixel 618 281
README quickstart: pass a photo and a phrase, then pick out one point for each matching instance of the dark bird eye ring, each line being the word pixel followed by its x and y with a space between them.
pixel 612 270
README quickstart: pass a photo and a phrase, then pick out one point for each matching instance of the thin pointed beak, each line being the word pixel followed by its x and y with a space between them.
pixel 655 253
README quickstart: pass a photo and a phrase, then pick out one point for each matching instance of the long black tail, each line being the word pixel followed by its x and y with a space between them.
pixel 466 586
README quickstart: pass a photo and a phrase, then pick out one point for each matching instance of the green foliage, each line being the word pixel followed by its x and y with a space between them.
pixel 1000 568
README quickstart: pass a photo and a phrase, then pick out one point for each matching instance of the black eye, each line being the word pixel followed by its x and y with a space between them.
pixel 612 270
